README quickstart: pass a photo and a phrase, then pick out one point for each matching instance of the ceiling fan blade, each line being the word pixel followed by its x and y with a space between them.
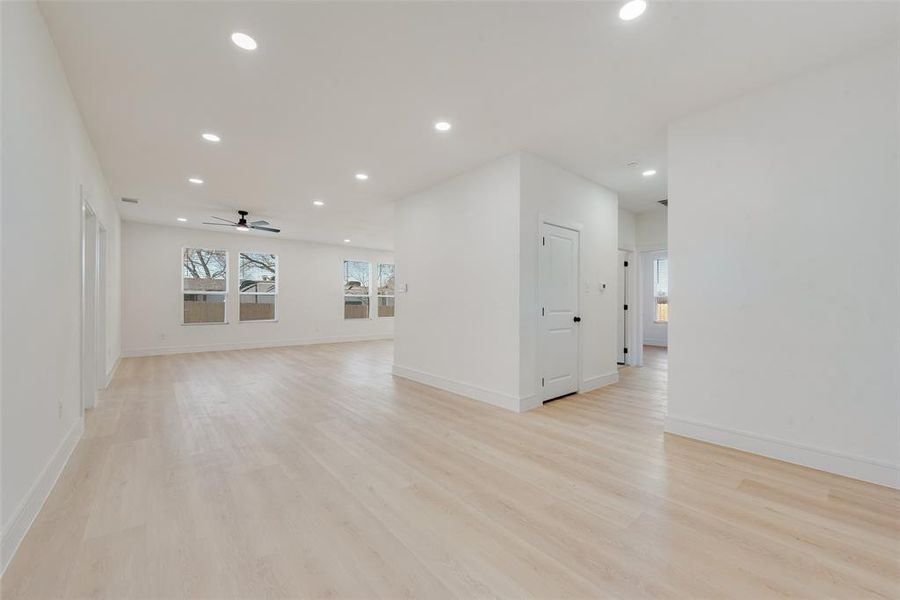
pixel 220 224
pixel 226 220
pixel 259 222
pixel 272 229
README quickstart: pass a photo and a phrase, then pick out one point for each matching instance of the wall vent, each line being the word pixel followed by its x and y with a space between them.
pixel 663 202
pixel 129 200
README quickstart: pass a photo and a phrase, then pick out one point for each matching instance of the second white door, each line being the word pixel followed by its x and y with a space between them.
pixel 559 311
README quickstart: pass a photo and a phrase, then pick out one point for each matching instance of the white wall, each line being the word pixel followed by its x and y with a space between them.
pixel 46 156
pixel 310 302
pixel 651 229
pixel 627 230
pixel 784 245
pixel 551 193
pixel 457 247
pixel 468 249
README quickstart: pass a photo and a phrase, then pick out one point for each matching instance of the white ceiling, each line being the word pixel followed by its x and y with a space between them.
pixel 336 88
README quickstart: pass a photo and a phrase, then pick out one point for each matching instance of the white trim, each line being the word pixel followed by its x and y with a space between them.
pixel 592 383
pixel 24 515
pixel 463 389
pixel 530 402
pixel 135 352
pixel 112 372
pixel 848 465
pixel 658 343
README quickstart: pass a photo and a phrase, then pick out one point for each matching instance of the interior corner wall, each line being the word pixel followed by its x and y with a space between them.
pixel 651 229
pixel 551 193
pixel 784 240
pixel 456 245
pixel 46 157
pixel 627 230
pixel 310 304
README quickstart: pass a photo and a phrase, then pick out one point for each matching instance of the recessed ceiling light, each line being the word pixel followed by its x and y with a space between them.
pixel 195 180
pixel 362 176
pixel 346 241
pixel 242 40
pixel 318 203
pixel 182 220
pixel 649 173
pixel 443 126
pixel 211 137
pixel 632 10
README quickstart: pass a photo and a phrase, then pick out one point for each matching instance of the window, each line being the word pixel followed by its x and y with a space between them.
pixel 661 289
pixel 259 286
pixel 204 285
pixel 385 290
pixel 356 289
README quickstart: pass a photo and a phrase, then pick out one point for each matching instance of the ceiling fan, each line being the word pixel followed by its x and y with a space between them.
pixel 243 225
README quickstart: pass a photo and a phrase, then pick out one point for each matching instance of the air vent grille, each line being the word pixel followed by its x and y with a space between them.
pixel 129 200
pixel 664 202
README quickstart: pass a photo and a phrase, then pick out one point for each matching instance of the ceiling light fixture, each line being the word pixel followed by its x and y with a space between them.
pixel 346 241
pixel 632 10
pixel 443 126
pixel 211 137
pixel 242 40
pixel 649 173
pixel 195 180
pixel 318 203
pixel 362 176
pixel 242 228
pixel 182 220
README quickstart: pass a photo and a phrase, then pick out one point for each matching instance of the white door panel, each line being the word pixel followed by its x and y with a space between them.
pixel 559 301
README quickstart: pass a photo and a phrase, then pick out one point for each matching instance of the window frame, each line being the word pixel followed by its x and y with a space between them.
pixel 344 295
pixel 223 293
pixel 656 296
pixel 377 295
pixel 275 293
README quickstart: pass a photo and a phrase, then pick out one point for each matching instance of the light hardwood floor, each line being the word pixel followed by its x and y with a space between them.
pixel 312 472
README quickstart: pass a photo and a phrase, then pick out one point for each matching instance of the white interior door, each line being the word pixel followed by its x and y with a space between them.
pixel 559 311
pixel 622 326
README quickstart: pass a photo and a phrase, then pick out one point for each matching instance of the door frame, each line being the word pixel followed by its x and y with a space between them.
pixel 633 357
pixel 100 277
pixel 87 211
pixel 578 228
pixel 646 291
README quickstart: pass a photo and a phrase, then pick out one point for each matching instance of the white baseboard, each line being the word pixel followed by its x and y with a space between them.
pixel 24 515
pixel 660 343
pixel 161 350
pixel 458 387
pixel 857 467
pixel 112 372
pixel 530 402
pixel 599 381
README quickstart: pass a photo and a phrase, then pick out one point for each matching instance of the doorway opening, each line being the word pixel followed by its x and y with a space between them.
pixel 93 304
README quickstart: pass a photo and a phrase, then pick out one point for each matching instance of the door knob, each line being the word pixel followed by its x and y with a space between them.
pixel 577 319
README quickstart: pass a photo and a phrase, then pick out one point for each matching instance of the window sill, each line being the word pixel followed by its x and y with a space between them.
pixel 259 321
pixel 214 323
